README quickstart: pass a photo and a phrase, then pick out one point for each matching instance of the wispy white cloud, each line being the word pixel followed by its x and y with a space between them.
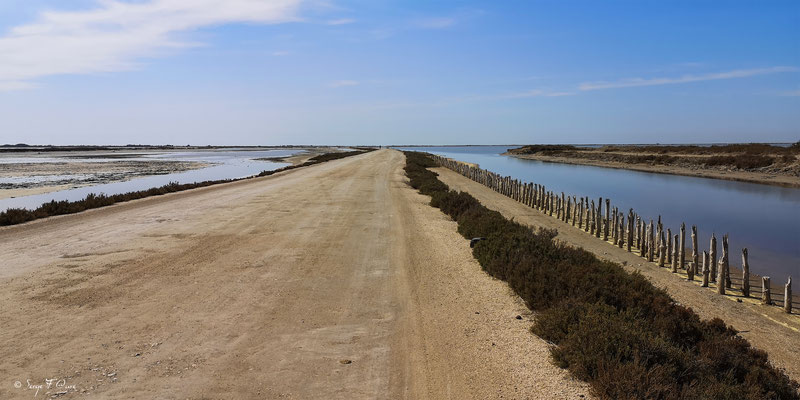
pixel 636 82
pixel 340 21
pixel 115 34
pixel 342 83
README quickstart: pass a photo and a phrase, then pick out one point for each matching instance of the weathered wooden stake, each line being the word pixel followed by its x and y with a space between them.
pixel 766 297
pixel 607 221
pixel 705 269
pixel 669 246
pixel 787 297
pixel 712 253
pixel 725 263
pixel 630 230
pixel 662 249
pixel 682 249
pixel 745 274
pixel 651 245
pixel 675 255
pixel 693 268
pixel 721 279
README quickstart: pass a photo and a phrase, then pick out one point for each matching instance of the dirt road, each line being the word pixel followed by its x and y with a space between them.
pixel 766 327
pixel 330 281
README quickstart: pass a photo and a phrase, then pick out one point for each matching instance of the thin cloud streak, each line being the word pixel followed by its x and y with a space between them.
pixel 116 34
pixel 341 21
pixel 638 82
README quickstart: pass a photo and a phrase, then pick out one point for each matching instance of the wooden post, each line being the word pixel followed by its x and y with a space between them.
pixel 630 230
pixel 721 279
pixel 652 242
pixel 713 257
pixel 745 274
pixel 705 269
pixel 693 267
pixel 669 246
pixel 662 249
pixel 621 240
pixel 725 263
pixel 607 220
pixel 591 228
pixel 787 297
pixel 598 218
pixel 766 297
pixel 675 255
pixel 682 250
pixel 574 210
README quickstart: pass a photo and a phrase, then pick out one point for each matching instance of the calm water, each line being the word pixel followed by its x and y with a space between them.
pixel 227 164
pixel 763 218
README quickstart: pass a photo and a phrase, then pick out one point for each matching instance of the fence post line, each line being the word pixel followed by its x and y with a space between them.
pixel 705 269
pixel 787 297
pixel 766 297
pixel 745 274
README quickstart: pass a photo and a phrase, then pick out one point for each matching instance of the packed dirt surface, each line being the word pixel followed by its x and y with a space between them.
pixel 788 176
pixel 766 327
pixel 330 281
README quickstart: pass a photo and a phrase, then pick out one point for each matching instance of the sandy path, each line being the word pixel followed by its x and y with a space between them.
pixel 766 327
pixel 332 281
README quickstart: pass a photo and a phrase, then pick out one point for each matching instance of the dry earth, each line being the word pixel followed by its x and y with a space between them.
pixel 330 281
pixel 766 327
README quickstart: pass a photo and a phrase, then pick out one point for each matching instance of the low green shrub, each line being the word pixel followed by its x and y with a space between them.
pixel 612 328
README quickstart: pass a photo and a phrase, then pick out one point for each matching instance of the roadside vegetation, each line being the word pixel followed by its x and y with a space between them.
pixel 741 156
pixel 611 328
pixel 14 216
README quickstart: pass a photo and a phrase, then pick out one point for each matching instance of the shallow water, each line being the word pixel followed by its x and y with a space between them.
pixel 226 164
pixel 763 218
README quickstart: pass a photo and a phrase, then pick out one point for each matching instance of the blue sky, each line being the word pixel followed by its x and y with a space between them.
pixel 398 72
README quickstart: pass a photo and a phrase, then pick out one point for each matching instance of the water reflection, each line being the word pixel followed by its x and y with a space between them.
pixel 226 164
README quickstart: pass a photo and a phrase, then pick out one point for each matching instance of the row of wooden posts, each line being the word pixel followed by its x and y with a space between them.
pixel 629 231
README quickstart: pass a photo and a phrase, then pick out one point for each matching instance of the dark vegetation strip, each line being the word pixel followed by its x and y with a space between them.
pixel 611 328
pixel 741 156
pixel 14 216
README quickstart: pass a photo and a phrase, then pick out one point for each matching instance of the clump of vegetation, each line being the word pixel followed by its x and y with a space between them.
pixel 612 328
pixel 543 149
pixel 14 216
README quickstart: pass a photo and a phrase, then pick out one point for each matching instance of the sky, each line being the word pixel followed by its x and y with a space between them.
pixel 273 72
